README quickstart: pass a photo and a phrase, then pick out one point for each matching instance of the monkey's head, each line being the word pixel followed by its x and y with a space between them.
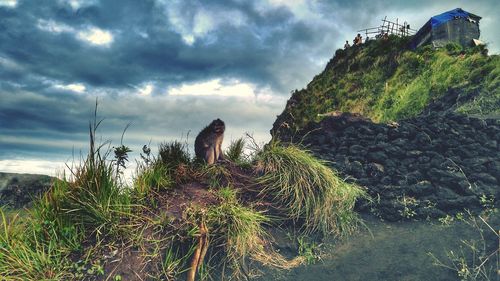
pixel 218 126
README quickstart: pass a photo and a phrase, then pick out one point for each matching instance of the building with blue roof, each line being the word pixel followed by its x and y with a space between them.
pixel 457 26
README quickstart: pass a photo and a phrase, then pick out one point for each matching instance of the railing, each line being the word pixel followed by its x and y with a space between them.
pixel 389 28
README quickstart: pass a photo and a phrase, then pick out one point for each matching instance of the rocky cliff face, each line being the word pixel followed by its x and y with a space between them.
pixel 426 166
pixel 19 190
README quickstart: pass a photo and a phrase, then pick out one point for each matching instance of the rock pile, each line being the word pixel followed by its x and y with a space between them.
pixel 427 166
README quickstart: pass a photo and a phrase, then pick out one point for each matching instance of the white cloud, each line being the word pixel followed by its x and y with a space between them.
pixel 32 166
pixel 77 4
pixel 8 3
pixel 78 87
pixel 96 36
pixel 54 27
pixel 92 35
pixel 146 90
pixel 201 22
pixel 10 64
pixel 215 87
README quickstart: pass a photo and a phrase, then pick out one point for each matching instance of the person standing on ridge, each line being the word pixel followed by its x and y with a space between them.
pixel 360 39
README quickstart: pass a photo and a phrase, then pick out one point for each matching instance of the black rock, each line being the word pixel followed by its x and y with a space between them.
pixel 478 123
pixel 484 177
pixel 421 188
pixel 377 156
pixel 357 149
pixel 375 169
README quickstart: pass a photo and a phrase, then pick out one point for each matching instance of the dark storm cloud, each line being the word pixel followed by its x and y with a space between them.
pixel 147 47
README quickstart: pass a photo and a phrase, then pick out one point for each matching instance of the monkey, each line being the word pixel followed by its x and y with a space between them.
pixel 207 144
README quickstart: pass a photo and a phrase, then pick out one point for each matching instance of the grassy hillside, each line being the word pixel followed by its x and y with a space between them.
pixel 385 81
pixel 180 218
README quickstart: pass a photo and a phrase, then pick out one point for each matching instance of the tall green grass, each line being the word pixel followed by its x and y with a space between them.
pixel 154 177
pixel 90 205
pixel 236 151
pixel 307 190
pixel 25 256
pixel 95 198
pixel 171 154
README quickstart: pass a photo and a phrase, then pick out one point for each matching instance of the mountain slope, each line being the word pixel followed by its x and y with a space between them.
pixel 385 81
pixel 439 158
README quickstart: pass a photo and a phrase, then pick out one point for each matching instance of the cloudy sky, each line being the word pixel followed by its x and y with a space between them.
pixel 169 67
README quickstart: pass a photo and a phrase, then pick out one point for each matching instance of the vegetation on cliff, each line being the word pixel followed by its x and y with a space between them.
pixel 386 81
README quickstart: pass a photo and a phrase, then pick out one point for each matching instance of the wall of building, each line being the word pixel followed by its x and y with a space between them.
pixel 460 31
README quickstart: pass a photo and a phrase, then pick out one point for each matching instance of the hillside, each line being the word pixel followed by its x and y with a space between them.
pixel 418 129
pixel 385 81
pixel 180 219
pixel 19 190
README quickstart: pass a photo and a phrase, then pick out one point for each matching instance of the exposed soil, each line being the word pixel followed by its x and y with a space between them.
pixel 175 202
pixel 136 264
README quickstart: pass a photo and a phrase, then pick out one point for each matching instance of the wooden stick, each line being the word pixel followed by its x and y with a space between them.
pixel 204 237
pixel 194 262
pixel 199 253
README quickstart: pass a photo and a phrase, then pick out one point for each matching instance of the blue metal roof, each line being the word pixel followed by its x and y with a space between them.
pixel 447 16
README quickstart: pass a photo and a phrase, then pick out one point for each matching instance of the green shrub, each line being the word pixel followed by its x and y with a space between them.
pixel 453 48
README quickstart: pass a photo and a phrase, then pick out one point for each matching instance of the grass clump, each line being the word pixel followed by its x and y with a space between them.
pixel 238 230
pixel 93 198
pixel 240 227
pixel 172 154
pixel 216 175
pixel 307 190
pixel 235 151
